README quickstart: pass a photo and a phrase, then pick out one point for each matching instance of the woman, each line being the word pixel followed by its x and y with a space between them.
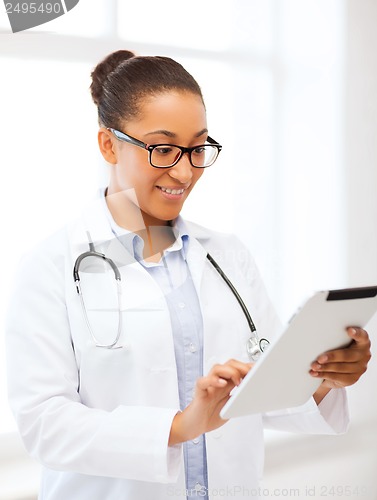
pixel 126 405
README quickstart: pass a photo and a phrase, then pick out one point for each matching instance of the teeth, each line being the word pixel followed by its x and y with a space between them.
pixel 172 191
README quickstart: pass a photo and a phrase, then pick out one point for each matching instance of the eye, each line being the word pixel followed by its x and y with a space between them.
pixel 163 150
pixel 199 150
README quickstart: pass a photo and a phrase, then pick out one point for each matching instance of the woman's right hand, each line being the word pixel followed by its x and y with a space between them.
pixel 211 393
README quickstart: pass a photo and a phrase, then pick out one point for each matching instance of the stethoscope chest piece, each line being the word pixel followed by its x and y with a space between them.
pixel 255 347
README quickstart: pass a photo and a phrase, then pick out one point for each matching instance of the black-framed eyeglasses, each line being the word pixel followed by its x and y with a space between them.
pixel 168 155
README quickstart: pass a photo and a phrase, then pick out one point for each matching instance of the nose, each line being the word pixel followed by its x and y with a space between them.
pixel 182 171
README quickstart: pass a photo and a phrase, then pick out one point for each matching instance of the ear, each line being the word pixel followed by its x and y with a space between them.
pixel 106 142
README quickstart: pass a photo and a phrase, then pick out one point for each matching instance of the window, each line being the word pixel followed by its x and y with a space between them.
pixel 50 162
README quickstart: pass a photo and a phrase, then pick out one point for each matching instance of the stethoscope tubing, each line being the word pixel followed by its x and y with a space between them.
pixel 76 277
pixel 234 291
pixel 260 343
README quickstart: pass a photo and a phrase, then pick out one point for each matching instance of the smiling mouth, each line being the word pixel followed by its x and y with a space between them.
pixel 171 191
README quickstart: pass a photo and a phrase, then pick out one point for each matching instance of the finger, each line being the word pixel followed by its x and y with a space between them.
pixel 345 355
pixel 358 349
pixel 204 383
pixel 228 372
pixel 231 370
pixel 337 368
pixel 219 376
pixel 338 380
pixel 359 335
pixel 243 368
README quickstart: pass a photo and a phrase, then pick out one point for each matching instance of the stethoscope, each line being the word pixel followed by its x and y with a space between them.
pixel 254 345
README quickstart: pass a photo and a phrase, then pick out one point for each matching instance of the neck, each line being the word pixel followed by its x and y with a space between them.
pixel 126 214
pixel 156 240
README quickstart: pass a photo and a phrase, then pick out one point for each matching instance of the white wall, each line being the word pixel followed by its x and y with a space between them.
pixel 360 144
pixel 313 465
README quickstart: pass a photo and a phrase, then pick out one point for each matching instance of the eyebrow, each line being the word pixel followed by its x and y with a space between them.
pixel 172 134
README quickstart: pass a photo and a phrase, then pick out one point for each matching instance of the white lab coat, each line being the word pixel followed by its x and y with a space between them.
pixel 99 419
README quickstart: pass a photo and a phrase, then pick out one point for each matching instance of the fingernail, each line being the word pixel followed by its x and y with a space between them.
pixel 222 381
pixel 322 359
pixel 353 331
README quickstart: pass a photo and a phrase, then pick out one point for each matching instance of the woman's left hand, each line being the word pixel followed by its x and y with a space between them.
pixel 342 367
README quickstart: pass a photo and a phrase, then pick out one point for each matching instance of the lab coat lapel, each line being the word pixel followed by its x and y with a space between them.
pixel 196 260
pixel 200 271
pixel 215 296
pixel 92 225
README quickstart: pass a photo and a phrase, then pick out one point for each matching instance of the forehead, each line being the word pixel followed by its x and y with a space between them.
pixel 175 111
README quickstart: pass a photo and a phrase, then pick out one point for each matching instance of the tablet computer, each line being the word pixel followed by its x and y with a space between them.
pixel 280 378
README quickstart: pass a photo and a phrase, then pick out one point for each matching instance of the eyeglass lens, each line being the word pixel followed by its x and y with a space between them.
pixel 167 155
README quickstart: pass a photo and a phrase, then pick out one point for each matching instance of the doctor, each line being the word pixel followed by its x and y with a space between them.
pixel 117 374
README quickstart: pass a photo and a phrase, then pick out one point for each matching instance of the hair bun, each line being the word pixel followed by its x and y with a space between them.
pixel 103 69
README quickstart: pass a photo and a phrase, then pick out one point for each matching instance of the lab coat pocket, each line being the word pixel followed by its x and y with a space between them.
pixel 136 372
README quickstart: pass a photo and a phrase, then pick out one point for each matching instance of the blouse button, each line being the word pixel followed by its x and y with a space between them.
pixel 192 347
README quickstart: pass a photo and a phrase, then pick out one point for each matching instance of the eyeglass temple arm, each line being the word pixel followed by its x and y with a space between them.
pixel 122 136
pixel 212 141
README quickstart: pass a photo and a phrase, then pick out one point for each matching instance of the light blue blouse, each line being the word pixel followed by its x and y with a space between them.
pixel 172 274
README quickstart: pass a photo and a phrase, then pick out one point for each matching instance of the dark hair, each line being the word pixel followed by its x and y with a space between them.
pixel 121 80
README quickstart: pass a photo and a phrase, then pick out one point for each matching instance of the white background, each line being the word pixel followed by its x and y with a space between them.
pixel 290 88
